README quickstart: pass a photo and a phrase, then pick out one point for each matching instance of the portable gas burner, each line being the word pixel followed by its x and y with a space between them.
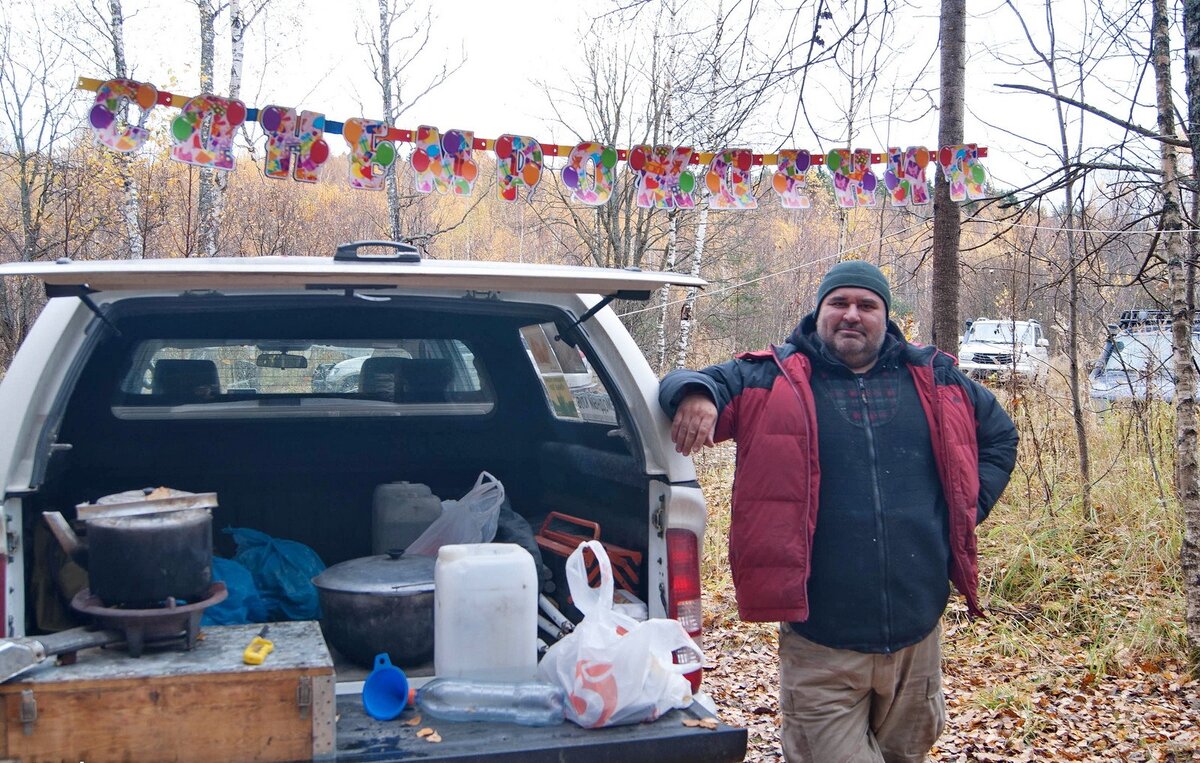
pixel 171 625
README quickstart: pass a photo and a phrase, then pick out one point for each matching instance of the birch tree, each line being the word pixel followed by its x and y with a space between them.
pixel 95 32
pixel 131 205
pixel 208 208
pixel 240 19
pixel 395 47
pixel 1187 470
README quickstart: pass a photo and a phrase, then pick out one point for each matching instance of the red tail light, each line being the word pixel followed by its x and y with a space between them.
pixel 683 594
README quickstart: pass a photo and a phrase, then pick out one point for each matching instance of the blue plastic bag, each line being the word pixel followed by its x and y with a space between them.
pixel 283 571
pixel 243 604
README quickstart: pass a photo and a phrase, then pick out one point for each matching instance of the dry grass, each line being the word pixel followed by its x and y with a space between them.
pixel 1085 604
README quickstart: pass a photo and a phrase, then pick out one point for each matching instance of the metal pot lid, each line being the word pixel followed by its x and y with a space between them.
pixel 386 575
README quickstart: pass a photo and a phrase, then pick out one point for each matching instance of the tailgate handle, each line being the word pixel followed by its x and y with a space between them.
pixel 402 252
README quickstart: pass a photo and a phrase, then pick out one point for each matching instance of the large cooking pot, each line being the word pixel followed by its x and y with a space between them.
pixel 379 604
pixel 143 547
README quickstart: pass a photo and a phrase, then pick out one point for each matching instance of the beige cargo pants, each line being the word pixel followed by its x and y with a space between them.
pixel 840 706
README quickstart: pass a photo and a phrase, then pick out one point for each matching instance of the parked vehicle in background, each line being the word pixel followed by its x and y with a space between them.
pixel 331 376
pixel 344 376
pixel 1004 349
pixel 1136 363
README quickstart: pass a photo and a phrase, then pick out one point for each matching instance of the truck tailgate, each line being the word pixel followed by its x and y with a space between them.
pixel 667 740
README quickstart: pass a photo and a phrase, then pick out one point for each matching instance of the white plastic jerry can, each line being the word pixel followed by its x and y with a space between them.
pixel 485 612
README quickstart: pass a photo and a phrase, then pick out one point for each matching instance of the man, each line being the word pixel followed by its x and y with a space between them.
pixel 864 464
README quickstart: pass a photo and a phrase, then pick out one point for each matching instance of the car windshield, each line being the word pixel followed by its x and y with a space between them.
pixel 998 332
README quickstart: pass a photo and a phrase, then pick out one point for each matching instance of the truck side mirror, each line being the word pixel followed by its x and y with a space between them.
pixel 1043 342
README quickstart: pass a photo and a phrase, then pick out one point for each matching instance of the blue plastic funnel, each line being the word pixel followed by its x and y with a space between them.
pixel 385 692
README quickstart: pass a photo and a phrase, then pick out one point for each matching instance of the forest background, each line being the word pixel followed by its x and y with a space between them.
pixel 1086 655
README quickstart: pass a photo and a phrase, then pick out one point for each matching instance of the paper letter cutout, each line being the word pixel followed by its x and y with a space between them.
pixel 590 173
pixel 287 135
pixel 963 171
pixel 444 163
pixel 107 125
pixel 728 178
pixel 371 153
pixel 854 183
pixel 905 177
pixel 789 179
pixel 204 129
pixel 663 179
pixel 519 162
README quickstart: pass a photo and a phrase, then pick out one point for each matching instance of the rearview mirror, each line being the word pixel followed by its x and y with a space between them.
pixel 280 360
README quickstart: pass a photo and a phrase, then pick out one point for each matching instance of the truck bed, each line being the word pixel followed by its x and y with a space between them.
pixel 667 740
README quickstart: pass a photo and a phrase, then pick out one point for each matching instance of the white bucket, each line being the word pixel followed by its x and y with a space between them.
pixel 485 612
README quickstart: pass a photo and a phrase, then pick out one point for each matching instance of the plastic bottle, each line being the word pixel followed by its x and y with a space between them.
pixel 528 703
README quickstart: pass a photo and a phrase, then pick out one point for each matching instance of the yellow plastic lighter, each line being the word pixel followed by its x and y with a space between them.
pixel 259 648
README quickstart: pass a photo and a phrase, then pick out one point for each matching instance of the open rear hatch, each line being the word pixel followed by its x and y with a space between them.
pixel 351 268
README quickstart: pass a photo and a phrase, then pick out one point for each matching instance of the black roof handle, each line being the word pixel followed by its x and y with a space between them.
pixel 402 252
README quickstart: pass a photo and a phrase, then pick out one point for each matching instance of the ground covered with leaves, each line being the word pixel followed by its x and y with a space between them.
pixel 1083 654
pixel 999 708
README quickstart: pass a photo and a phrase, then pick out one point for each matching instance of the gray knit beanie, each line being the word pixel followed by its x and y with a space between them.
pixel 858 273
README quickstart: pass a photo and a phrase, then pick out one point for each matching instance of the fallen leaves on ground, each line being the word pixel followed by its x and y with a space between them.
pixel 1044 706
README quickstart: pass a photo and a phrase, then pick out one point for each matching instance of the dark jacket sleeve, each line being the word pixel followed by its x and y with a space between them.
pixel 722 382
pixel 997 439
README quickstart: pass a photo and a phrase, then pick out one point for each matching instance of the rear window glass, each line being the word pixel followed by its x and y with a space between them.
pixel 427 372
pixel 573 389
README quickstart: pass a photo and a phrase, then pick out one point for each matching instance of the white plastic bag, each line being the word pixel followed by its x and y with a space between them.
pixel 614 669
pixel 470 519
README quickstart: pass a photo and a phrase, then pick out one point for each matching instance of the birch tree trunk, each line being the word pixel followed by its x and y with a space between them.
pixel 386 82
pixel 947 227
pixel 685 321
pixel 208 226
pixel 131 200
pixel 1186 465
pixel 665 291
pixel 237 48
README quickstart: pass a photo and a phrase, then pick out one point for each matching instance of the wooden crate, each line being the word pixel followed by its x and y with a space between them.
pixel 203 705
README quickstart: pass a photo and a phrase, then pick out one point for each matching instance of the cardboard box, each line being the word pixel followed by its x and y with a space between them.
pixel 203 705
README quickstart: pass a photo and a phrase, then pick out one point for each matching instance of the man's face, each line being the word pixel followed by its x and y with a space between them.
pixel 852 322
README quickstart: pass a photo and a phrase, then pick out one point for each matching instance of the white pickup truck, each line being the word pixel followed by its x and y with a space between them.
pixel 86 411
pixel 1004 349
